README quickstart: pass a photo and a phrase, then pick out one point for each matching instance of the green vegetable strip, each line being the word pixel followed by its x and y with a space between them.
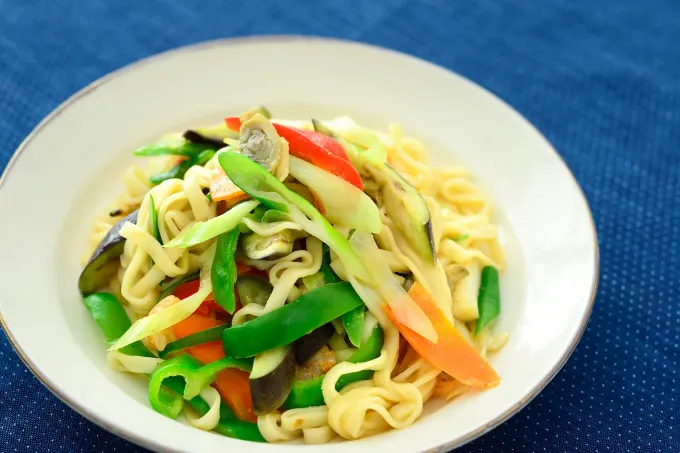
pixel 308 393
pixel 273 215
pixel 326 269
pixel 229 425
pixel 161 149
pixel 353 322
pixel 113 321
pixel 154 323
pixel 258 213
pixel 223 272
pixel 202 231
pixel 205 156
pixel 489 299
pixel 155 229
pixel 175 282
pixel 261 185
pixel 201 337
pixel 239 429
pixel 314 281
pixel 290 322
pixel 196 377
pixel 179 170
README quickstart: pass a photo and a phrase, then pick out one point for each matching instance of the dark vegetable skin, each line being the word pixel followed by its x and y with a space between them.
pixel 308 345
pixel 102 266
pixel 308 393
pixel 195 137
pixel 320 128
pixel 410 213
pixel 271 390
pixel 253 290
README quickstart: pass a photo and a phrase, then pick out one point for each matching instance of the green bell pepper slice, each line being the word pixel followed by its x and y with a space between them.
pixel 326 269
pixel 179 170
pixel 113 321
pixel 290 322
pixel 229 425
pixel 196 377
pixel 223 271
pixel 187 149
pixel 489 299
pixel 204 336
pixel 308 393
pixel 353 322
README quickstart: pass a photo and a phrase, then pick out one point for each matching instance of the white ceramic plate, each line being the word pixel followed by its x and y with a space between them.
pixel 69 168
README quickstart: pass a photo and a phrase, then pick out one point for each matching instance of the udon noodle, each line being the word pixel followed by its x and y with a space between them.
pixel 463 233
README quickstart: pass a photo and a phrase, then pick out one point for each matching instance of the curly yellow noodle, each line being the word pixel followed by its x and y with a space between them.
pixel 179 204
pixel 464 235
pixel 136 183
pixel 283 275
pixel 458 208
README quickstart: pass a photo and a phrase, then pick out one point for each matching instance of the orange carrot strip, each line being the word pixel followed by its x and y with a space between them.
pixel 452 354
pixel 231 383
pixel 222 189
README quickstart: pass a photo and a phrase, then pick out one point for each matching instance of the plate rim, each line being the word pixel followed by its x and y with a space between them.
pixel 231 41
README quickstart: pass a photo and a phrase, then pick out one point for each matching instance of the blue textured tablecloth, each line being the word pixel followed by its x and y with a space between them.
pixel 600 79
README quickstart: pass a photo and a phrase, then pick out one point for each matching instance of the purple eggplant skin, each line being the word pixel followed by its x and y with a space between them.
pixel 308 345
pixel 409 212
pixel 271 390
pixel 103 264
pixel 201 139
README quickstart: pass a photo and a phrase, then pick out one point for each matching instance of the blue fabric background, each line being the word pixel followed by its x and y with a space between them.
pixel 600 79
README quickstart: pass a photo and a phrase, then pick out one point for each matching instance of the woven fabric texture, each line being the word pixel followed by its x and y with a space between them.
pixel 600 79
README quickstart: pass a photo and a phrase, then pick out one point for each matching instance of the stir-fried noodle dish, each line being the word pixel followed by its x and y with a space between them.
pixel 274 279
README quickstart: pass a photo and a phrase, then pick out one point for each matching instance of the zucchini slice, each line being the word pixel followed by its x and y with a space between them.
pixel 308 345
pixel 407 208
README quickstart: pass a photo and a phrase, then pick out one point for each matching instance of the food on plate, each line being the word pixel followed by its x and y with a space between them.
pixel 280 279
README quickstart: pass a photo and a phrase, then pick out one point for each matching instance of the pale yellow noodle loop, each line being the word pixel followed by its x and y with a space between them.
pixel 457 208
pixel 136 183
pixel 270 428
pixel 283 275
pixel 179 203
pixel 464 235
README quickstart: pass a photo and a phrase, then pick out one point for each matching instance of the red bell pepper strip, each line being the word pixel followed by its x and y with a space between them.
pixel 315 148
pixel 189 288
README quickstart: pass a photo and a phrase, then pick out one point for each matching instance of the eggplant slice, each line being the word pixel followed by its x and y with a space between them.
pixel 103 264
pixel 253 290
pixel 308 345
pixel 403 204
pixel 272 378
